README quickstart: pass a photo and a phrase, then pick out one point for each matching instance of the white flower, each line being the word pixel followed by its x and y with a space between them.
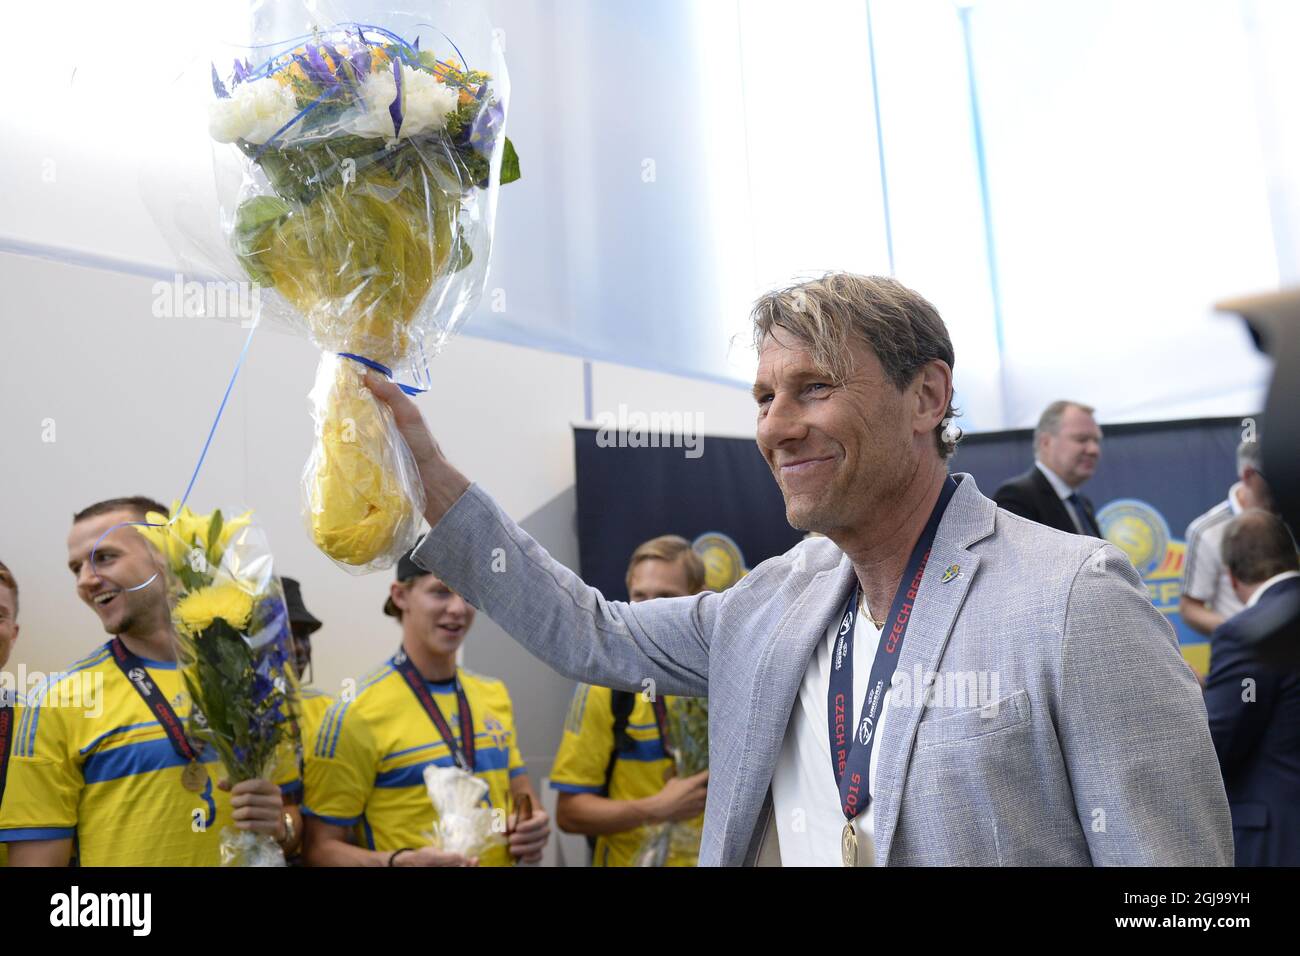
pixel 428 103
pixel 253 112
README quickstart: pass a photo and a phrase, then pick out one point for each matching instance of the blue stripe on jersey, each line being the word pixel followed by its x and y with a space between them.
pixel 36 833
pixel 27 738
pixel 132 759
pixel 482 734
pixel 327 738
pixel 116 730
pixel 491 758
pixel 575 788
pixel 333 821
pixel 338 728
pixel 644 750
pixel 323 732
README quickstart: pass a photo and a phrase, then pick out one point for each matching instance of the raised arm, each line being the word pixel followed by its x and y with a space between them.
pixel 481 553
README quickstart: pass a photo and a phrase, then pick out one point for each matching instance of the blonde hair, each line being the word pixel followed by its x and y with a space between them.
pixel 670 547
pixel 902 328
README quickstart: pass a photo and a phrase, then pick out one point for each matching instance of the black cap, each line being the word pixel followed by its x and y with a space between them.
pixel 407 570
pixel 298 613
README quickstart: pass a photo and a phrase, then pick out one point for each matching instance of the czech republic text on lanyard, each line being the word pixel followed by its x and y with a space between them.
pixel 851 753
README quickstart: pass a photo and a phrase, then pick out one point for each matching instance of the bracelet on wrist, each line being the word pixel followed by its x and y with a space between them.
pixel 392 859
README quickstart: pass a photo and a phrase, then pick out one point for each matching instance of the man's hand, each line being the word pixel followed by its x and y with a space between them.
pixel 443 484
pixel 529 839
pixel 682 798
pixel 432 856
pixel 257 805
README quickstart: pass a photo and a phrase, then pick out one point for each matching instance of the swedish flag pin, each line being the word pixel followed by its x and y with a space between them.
pixel 953 571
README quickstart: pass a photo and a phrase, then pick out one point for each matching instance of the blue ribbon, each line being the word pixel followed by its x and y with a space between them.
pixel 194 476
pixel 383 370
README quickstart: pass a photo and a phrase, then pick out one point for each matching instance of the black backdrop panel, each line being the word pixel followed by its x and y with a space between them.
pixel 629 495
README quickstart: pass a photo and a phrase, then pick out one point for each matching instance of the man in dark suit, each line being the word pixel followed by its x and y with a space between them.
pixel 1254 712
pixel 1067 447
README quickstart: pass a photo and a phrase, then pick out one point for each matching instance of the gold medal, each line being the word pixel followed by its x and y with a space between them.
pixel 849 845
pixel 194 777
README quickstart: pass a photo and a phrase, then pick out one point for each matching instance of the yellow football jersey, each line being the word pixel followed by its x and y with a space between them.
pixel 90 762
pixel 312 705
pixel 365 767
pixel 583 758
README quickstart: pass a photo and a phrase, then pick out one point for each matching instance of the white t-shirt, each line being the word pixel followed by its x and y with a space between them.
pixel 805 796
pixel 1204 575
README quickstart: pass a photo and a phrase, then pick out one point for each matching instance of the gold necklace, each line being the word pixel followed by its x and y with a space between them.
pixel 862 609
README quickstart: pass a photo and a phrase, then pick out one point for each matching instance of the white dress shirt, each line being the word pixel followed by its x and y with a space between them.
pixel 1254 598
pixel 805 795
pixel 1063 491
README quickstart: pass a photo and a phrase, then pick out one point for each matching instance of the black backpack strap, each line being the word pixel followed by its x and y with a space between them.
pixel 621 703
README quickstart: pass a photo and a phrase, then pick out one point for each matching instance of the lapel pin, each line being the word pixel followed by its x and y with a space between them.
pixel 952 572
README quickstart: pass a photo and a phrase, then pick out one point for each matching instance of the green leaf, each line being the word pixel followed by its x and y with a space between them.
pixel 509 164
pixel 253 217
pixel 214 535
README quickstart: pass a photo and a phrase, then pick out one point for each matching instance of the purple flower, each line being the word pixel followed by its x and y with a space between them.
pixel 217 86
pixel 314 68
pixel 486 126
pixel 360 58
pixel 396 109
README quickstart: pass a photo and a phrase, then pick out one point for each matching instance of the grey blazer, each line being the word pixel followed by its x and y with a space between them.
pixel 1096 749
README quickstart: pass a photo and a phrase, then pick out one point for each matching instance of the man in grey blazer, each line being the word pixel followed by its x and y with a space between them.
pixel 1001 693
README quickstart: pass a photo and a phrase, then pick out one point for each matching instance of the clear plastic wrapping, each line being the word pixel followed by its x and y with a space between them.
pixel 361 493
pixel 235 651
pixel 678 844
pixel 465 823
pixel 357 167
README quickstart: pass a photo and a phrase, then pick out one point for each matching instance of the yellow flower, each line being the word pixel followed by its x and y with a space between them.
pixel 164 539
pixel 227 602
pixel 185 531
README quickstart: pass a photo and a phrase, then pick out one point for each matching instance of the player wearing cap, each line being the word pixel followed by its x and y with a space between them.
pixel 366 802
pixel 312 700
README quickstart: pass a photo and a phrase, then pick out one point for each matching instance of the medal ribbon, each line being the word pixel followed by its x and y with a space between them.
pixel 461 751
pixel 851 750
pixel 6 737
pixel 162 711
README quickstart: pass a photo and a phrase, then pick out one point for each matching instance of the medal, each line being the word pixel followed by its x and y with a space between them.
pixel 849 845
pixel 194 777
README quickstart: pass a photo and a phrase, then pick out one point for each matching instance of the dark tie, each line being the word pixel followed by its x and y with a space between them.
pixel 1085 519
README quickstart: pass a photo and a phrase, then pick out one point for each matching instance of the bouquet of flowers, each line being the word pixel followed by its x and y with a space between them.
pixel 688 740
pixel 465 823
pixel 370 170
pixel 235 651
